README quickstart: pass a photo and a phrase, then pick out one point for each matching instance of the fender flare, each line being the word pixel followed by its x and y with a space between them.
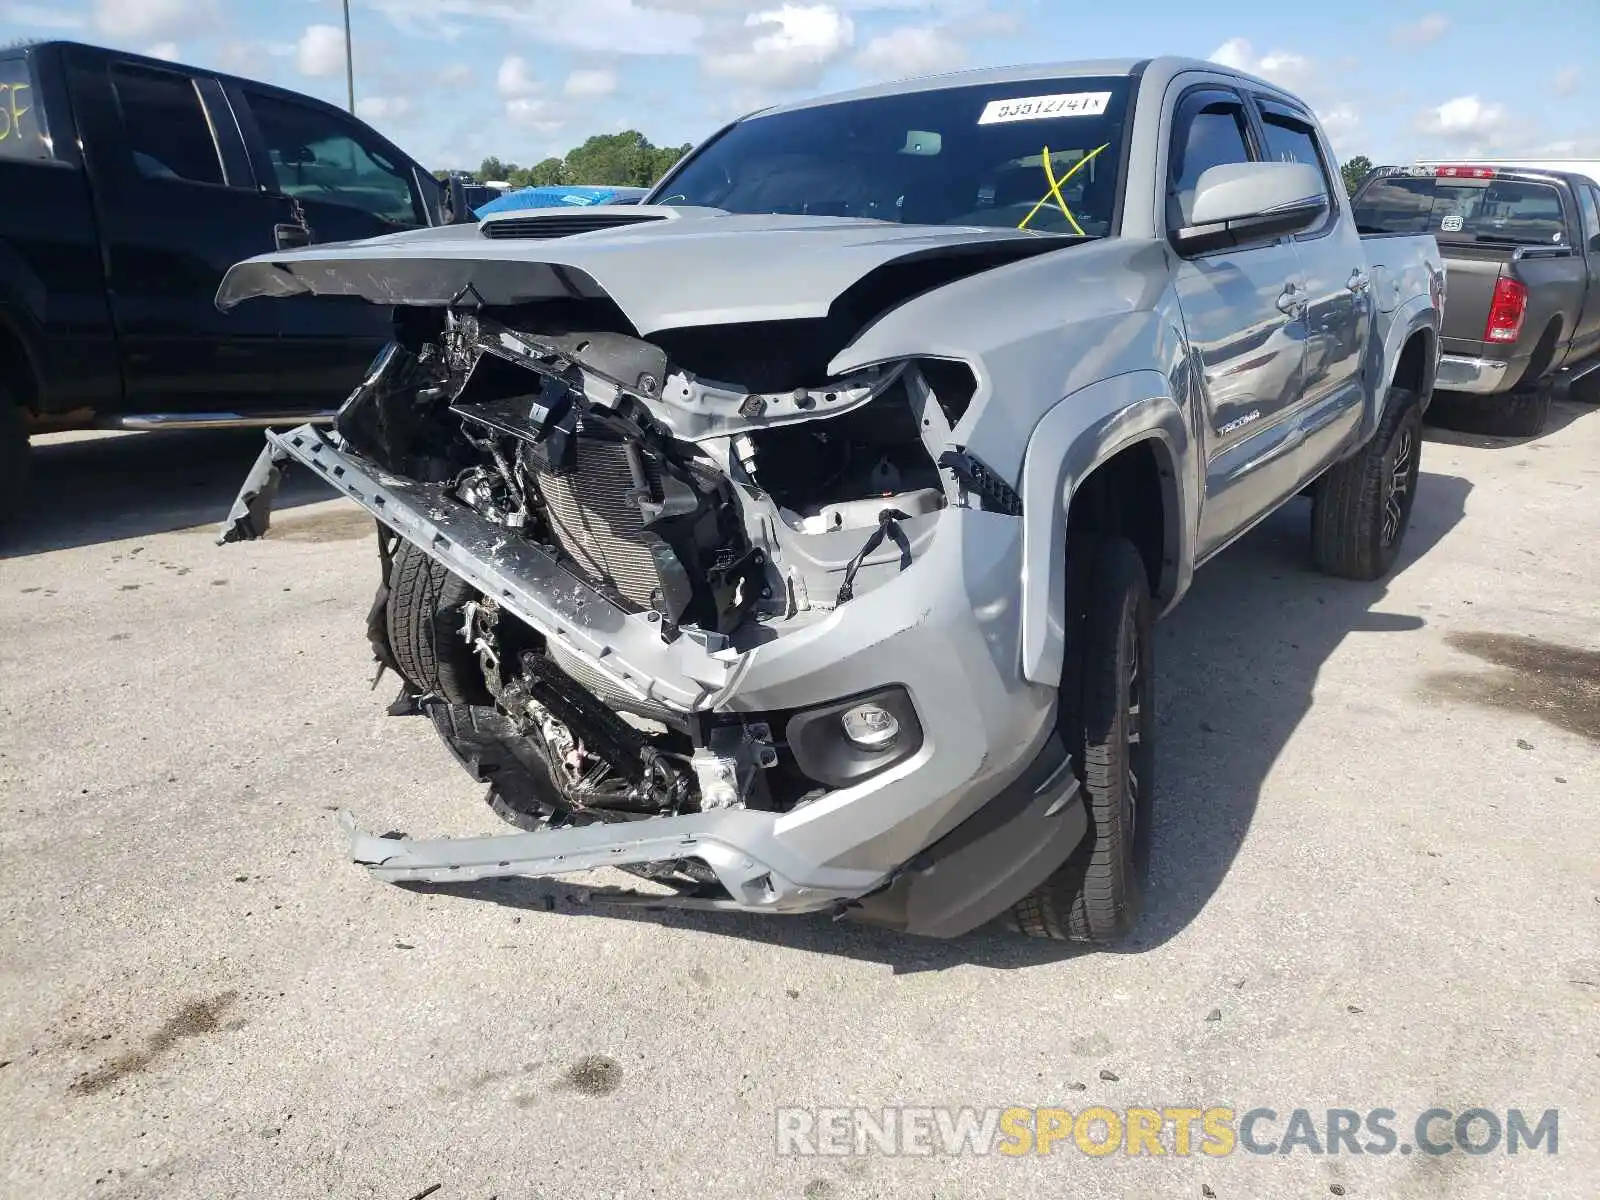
pixel 1078 434
pixel 1414 316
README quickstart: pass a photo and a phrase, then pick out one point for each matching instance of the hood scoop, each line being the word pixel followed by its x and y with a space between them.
pixel 560 223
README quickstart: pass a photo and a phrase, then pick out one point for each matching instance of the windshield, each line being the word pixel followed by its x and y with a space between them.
pixel 1042 155
pixel 1454 209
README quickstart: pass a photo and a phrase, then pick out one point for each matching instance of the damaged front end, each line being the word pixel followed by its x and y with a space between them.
pixel 714 598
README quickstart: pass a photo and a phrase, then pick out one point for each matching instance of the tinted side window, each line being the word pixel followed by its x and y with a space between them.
pixel 1589 202
pixel 22 131
pixel 316 156
pixel 1208 136
pixel 1292 141
pixel 166 128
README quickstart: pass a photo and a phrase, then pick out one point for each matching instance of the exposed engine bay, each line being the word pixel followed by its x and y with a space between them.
pixel 724 511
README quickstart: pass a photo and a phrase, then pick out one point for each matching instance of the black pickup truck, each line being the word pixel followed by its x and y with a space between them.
pixel 1522 291
pixel 128 185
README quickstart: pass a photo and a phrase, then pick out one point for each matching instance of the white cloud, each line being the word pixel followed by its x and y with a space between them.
pixel 1342 124
pixel 1566 81
pixel 152 18
pixel 166 50
pixel 1464 118
pixel 910 50
pixel 1283 67
pixel 457 75
pixel 530 112
pixel 513 80
pixel 525 103
pixel 1422 31
pixel 320 50
pixel 591 84
pixel 784 48
pixel 382 108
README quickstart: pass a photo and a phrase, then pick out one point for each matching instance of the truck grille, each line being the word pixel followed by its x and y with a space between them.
pixel 597 522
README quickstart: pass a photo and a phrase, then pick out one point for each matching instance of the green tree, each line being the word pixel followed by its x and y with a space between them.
pixel 1354 172
pixel 493 168
pixel 665 158
pixel 624 159
pixel 552 172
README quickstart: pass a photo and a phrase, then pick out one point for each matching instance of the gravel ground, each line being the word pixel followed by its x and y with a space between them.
pixel 1376 883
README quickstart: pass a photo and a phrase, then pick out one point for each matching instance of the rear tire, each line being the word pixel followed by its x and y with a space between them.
pixel 15 460
pixel 427 606
pixel 1362 506
pixel 1107 717
pixel 1505 414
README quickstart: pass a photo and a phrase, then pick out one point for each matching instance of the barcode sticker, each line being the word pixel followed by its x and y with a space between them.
pixel 1039 108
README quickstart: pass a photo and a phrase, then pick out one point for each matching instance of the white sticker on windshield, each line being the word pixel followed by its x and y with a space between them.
pixel 1039 108
pixel 1452 224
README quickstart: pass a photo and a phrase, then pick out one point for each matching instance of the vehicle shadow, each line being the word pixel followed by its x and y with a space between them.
pixel 1237 661
pixel 97 488
pixel 1455 427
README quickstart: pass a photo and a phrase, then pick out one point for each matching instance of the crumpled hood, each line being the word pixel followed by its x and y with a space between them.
pixel 692 266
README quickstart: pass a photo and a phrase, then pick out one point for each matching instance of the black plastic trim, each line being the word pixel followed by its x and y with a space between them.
pixel 991 860
pixel 824 754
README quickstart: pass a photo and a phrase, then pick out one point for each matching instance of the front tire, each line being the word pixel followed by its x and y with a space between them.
pixel 1361 508
pixel 426 609
pixel 14 460
pixel 1107 716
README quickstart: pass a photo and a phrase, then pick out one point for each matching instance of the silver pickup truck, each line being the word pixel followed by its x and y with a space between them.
pixel 793 538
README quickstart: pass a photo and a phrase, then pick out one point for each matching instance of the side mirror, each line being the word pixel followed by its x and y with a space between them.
pixel 456 209
pixel 1241 202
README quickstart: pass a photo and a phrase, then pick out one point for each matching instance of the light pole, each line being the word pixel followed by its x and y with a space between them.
pixel 349 61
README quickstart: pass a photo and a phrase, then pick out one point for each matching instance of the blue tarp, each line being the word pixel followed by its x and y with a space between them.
pixel 560 197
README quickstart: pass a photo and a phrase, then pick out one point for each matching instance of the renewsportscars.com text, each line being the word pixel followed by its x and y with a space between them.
pixel 1215 1131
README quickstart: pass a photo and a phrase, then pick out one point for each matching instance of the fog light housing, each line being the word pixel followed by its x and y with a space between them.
pixel 854 738
pixel 870 727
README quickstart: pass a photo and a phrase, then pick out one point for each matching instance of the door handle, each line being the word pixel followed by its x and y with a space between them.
pixel 1291 300
pixel 290 237
pixel 1359 281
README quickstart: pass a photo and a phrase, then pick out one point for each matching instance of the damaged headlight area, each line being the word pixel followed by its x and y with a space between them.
pixel 627 521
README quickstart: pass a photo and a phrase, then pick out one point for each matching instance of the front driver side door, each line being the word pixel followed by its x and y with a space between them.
pixel 347 184
pixel 1244 309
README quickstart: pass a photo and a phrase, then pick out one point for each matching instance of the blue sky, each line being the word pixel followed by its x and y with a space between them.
pixel 455 80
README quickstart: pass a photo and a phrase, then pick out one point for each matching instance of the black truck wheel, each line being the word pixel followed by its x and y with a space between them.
pixel 14 459
pixel 1108 720
pixel 1511 414
pixel 1361 507
pixel 427 606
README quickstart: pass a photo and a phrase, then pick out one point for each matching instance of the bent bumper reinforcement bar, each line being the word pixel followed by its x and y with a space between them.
pixel 692 673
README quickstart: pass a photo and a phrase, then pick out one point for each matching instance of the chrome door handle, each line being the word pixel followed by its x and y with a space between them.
pixel 1359 282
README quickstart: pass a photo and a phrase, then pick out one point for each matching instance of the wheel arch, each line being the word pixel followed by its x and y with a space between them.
pixel 1113 457
pixel 1410 357
pixel 19 371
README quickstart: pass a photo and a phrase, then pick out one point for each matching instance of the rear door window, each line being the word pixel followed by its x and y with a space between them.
pixel 1462 209
pixel 22 128
pixel 1589 202
pixel 316 155
pixel 165 126
pixel 1291 138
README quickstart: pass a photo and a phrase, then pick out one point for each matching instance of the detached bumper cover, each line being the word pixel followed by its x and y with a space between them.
pixel 984 810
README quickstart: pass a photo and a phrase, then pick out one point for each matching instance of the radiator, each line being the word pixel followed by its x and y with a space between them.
pixel 596 519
